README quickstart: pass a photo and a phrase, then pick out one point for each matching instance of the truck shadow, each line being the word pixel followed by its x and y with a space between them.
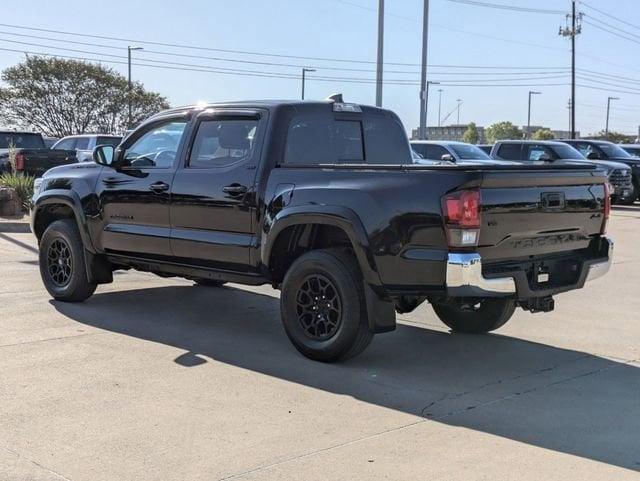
pixel 567 401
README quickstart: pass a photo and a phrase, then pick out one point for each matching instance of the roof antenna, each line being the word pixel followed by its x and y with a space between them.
pixel 337 98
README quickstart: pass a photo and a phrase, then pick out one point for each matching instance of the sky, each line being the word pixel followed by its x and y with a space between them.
pixel 524 45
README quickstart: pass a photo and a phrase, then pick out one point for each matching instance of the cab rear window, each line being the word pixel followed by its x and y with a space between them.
pixel 323 139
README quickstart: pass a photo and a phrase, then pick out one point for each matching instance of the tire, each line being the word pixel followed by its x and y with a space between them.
pixel 343 331
pixel 62 263
pixel 209 283
pixel 484 316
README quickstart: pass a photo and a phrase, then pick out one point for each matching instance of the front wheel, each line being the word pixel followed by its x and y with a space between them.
pixel 323 306
pixel 475 316
pixel 62 263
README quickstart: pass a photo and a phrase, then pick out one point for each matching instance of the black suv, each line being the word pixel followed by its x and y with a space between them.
pixel 603 150
pixel 556 152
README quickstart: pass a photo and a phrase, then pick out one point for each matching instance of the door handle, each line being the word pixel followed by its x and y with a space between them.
pixel 235 189
pixel 159 187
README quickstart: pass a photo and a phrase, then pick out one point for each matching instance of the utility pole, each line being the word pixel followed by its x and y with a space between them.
pixel 531 92
pixel 606 129
pixel 572 31
pixel 439 105
pixel 458 108
pixel 129 84
pixel 424 85
pixel 304 71
pixel 380 53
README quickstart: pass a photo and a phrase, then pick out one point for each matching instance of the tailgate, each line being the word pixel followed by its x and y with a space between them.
pixel 37 162
pixel 532 213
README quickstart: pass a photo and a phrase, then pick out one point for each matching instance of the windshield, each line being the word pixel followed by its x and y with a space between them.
pixel 565 151
pixel 469 152
pixel 21 141
pixel 613 150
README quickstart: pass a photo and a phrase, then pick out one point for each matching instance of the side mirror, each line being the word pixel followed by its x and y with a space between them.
pixel 447 158
pixel 103 155
pixel 593 156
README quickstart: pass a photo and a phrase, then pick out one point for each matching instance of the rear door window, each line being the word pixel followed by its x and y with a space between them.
pixel 66 144
pixel 435 152
pixel 510 151
pixel 82 143
pixel 222 142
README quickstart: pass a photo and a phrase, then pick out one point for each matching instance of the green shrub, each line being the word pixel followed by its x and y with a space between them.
pixel 22 184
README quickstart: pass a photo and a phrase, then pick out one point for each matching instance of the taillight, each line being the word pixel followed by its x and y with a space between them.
pixel 607 208
pixel 20 162
pixel 461 211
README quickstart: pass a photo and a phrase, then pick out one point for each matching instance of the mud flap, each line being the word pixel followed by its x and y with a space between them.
pixel 380 312
pixel 99 269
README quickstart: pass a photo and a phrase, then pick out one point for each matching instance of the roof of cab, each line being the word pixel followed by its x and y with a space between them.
pixel 257 104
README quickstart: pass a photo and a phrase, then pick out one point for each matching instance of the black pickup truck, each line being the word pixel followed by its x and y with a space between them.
pixel 321 200
pixel 32 156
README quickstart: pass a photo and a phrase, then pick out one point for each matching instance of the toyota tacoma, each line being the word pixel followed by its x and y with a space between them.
pixel 322 201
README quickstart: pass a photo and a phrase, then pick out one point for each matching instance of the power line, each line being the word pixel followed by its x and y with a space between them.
pixel 508 7
pixel 250 73
pixel 611 32
pixel 549 70
pixel 609 15
pixel 263 54
pixel 631 34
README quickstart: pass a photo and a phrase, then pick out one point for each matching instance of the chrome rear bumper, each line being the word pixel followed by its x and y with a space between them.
pixel 465 279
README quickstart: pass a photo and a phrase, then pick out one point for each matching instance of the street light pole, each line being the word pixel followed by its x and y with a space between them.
pixel 459 102
pixel 304 71
pixel 425 104
pixel 129 84
pixel 380 53
pixel 531 92
pixel 439 106
pixel 606 129
pixel 424 85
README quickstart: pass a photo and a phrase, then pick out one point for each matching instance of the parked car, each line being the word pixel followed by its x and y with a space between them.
pixel 557 152
pixel 603 150
pixel 632 149
pixel 84 144
pixel 32 157
pixel 449 150
pixel 322 201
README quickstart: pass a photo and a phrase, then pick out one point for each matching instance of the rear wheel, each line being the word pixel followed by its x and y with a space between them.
pixel 62 263
pixel 477 315
pixel 323 306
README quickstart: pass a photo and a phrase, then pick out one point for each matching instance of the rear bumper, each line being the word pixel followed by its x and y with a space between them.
pixel 464 277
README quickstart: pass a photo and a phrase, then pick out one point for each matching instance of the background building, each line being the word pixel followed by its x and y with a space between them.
pixel 449 132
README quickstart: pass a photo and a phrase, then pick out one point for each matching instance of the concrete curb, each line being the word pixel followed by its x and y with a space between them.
pixel 15 227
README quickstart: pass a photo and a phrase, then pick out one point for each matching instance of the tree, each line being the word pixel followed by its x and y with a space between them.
pixel 471 134
pixel 615 137
pixel 502 131
pixel 61 97
pixel 543 134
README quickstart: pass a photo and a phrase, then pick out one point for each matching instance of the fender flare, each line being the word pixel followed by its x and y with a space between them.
pixel 341 217
pixel 70 199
